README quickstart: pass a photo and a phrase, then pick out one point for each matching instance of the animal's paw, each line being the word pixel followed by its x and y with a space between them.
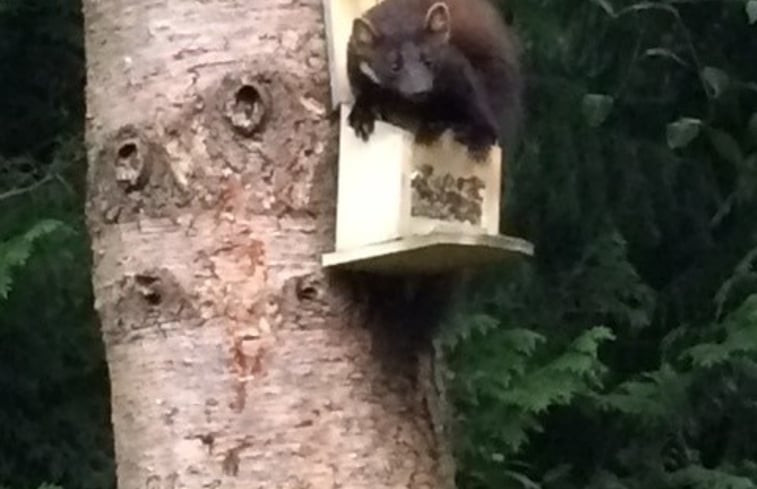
pixel 478 143
pixel 479 154
pixel 362 120
pixel 428 132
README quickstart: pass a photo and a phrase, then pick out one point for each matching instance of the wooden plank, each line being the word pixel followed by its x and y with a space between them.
pixel 430 253
pixel 338 16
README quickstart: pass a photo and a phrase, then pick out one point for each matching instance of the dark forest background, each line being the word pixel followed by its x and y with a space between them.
pixel 624 356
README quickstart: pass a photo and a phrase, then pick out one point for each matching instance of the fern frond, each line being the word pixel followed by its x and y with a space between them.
pixel 741 337
pixel 15 252
pixel 658 397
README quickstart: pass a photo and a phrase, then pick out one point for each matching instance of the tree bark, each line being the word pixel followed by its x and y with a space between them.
pixel 235 360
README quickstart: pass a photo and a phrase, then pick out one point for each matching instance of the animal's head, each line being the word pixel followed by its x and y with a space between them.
pixel 401 57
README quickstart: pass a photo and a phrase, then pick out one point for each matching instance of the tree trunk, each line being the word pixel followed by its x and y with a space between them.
pixel 235 360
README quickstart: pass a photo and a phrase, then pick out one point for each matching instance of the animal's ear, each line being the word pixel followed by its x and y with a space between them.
pixel 437 19
pixel 363 32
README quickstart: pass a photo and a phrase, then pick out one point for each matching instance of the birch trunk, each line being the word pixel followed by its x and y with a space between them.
pixel 235 360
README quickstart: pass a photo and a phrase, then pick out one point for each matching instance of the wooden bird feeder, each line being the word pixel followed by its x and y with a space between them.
pixel 403 207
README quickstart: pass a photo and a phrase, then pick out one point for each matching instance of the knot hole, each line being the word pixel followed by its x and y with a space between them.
pixel 131 169
pixel 246 111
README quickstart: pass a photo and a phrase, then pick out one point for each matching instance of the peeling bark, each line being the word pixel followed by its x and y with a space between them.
pixel 235 361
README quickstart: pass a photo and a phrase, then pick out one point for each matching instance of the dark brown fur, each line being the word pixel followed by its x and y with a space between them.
pixel 477 86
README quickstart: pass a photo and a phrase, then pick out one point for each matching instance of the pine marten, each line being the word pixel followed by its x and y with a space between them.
pixel 436 65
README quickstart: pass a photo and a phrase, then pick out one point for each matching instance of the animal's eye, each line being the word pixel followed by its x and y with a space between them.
pixel 425 59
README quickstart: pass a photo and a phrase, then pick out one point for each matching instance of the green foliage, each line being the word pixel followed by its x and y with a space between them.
pixel 682 132
pixel 740 330
pixel 701 478
pixel 524 379
pixel 596 108
pixel 751 11
pixel 16 251
pixel 717 80
pixel 637 182
pixel 656 398
pixel 513 373
pixel 41 49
